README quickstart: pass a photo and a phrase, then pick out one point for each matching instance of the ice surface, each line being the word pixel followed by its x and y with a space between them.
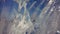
pixel 30 17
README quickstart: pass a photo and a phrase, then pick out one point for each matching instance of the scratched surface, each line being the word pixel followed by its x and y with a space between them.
pixel 29 16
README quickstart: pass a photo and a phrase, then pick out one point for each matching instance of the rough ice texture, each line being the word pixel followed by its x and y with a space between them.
pixel 29 16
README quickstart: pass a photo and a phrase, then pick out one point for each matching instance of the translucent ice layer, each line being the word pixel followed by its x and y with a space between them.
pixel 29 16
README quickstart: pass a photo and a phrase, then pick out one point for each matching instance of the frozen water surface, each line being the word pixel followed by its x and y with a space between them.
pixel 29 16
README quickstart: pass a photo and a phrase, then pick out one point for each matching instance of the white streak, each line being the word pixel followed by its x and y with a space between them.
pixel 32 5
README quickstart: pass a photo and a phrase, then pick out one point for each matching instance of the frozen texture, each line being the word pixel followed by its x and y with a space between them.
pixel 30 17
